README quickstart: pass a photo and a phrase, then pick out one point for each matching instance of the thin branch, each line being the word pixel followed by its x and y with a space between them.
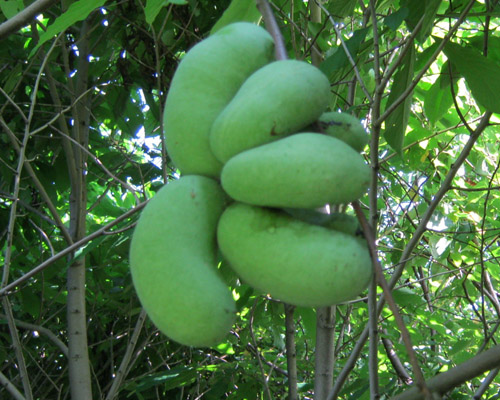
pixel 24 17
pixel 273 28
pixel 46 332
pixel 405 256
pixel 16 394
pixel 370 238
pixel 485 384
pixel 475 366
pixel 291 355
pixel 124 365
pixel 75 246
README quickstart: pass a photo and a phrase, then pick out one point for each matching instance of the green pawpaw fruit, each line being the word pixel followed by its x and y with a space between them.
pixel 174 266
pixel 277 100
pixel 338 221
pixel 205 81
pixel 298 263
pixel 345 127
pixel 304 170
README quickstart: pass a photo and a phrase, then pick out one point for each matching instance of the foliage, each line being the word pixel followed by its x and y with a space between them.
pixel 83 88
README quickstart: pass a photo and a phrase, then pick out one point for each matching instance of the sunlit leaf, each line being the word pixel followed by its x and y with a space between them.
pixel 397 121
pixel 238 10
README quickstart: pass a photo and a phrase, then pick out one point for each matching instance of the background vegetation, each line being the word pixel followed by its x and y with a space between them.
pixel 82 88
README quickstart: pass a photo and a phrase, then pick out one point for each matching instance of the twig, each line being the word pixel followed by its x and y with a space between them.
pixel 273 28
pixel 69 249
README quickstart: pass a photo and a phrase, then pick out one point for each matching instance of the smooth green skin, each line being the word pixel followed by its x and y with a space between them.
pixel 295 262
pixel 305 170
pixel 277 100
pixel 173 262
pixel 205 81
pixel 345 127
pixel 338 221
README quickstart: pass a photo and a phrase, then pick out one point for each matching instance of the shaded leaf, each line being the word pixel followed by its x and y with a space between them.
pixel 394 20
pixel 153 8
pixel 342 9
pixel 480 73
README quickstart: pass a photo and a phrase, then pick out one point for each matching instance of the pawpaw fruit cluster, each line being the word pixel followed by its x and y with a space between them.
pixel 239 127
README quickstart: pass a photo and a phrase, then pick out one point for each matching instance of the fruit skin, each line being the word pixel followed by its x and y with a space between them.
pixel 345 127
pixel 338 221
pixel 277 100
pixel 173 262
pixel 298 263
pixel 205 81
pixel 304 170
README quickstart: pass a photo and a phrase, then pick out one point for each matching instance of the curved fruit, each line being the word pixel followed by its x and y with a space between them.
pixel 305 170
pixel 298 263
pixel 345 127
pixel 277 100
pixel 206 80
pixel 173 262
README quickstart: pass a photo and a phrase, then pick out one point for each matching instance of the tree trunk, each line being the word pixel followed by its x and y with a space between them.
pixel 79 364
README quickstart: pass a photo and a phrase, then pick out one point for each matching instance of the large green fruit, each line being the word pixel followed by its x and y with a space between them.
pixel 277 100
pixel 298 263
pixel 173 262
pixel 345 127
pixel 206 80
pixel 305 170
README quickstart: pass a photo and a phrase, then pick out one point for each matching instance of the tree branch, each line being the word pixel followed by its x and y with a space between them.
pixel 454 377
pixel 24 17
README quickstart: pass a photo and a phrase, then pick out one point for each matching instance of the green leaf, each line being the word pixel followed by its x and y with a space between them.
pixel 480 73
pixel 338 59
pixel 238 10
pixel 11 7
pixel 153 8
pixel 394 20
pixel 342 9
pixel 438 98
pixel 395 125
pixel 77 11
pixel 425 8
